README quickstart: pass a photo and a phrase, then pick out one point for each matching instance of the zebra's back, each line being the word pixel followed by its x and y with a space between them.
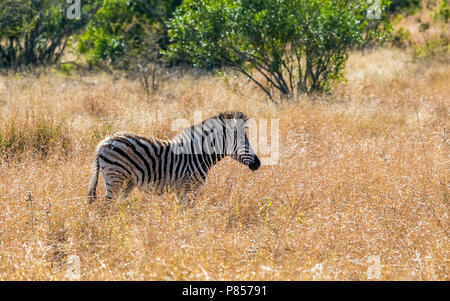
pixel 147 162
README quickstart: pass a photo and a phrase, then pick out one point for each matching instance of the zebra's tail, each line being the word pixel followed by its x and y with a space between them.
pixel 94 180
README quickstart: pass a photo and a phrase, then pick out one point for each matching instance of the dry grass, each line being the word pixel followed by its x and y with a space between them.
pixel 362 172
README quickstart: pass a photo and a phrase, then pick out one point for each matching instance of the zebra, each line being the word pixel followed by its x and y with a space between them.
pixel 128 160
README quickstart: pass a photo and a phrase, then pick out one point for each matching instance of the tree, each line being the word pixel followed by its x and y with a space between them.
pixel 298 46
pixel 36 32
pixel 127 35
pixel 122 26
pixel 143 63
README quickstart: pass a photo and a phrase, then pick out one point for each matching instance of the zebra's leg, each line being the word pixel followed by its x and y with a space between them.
pixel 189 196
pixel 190 191
pixel 185 200
pixel 128 188
pixel 112 189
pixel 114 181
pixel 181 198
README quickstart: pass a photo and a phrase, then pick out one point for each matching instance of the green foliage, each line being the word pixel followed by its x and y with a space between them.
pixel 158 10
pixel 121 27
pixel 404 6
pixel 444 11
pixel 127 36
pixel 35 32
pixel 65 68
pixel 104 37
pixel 400 37
pixel 296 45
pixel 396 19
pixel 435 49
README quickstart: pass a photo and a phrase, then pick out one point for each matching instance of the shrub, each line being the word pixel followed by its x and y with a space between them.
pixel 122 26
pixel 127 35
pixel 297 46
pixel 400 37
pixel 405 6
pixel 443 12
pixel 34 33
pixel 436 49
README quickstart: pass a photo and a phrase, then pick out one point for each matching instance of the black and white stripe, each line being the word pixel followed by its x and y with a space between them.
pixel 181 165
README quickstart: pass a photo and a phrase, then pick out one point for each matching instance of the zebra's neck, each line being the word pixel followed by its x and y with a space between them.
pixel 189 144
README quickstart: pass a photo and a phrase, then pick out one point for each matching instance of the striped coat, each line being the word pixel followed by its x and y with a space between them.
pixel 127 160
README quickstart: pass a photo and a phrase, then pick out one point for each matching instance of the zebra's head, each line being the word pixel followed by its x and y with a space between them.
pixel 237 144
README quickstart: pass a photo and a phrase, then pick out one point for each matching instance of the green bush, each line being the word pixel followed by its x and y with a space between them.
pixel 435 49
pixel 103 38
pixel 126 35
pixel 36 33
pixel 400 38
pixel 297 46
pixel 122 27
pixel 444 11
pixel 404 6
pixel 65 68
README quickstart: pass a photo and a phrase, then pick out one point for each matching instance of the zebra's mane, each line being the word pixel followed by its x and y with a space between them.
pixel 222 117
pixel 231 115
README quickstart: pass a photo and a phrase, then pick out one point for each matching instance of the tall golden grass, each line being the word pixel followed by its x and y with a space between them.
pixel 363 174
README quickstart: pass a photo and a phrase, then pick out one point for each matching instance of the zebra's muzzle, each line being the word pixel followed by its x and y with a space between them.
pixel 255 164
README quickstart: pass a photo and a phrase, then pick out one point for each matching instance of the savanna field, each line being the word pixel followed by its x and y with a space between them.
pixel 360 190
pixel 362 179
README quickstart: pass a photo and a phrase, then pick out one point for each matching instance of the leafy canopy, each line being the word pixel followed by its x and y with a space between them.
pixel 296 45
pixel 35 32
pixel 121 27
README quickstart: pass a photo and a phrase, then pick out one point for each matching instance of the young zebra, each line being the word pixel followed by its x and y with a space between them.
pixel 127 160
